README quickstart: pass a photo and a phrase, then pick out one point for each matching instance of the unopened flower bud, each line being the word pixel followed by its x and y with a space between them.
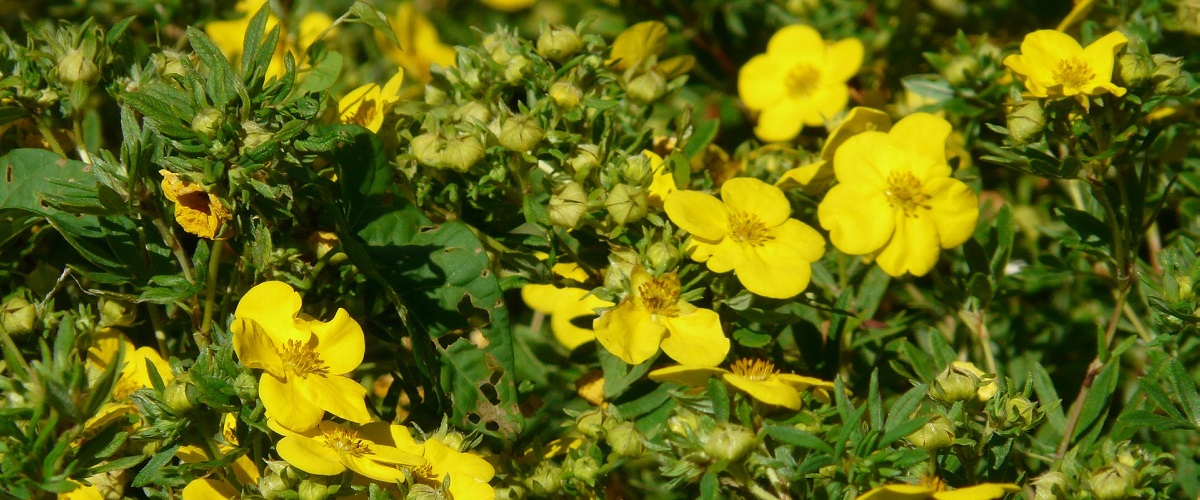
pixel 1021 413
pixel 961 69
pixel 207 121
pixel 117 313
pixel 1169 77
pixel 558 43
pixel 473 111
pixel 958 382
pixel 246 386
pixel 17 316
pixel 452 439
pixel 427 148
pixel 626 440
pixel 662 255
pixel 517 69
pixel 637 171
pixel 1184 283
pixel 77 67
pixel 520 134
pixel 1133 69
pixel 568 205
pixel 730 442
pixel 1112 482
pixel 626 203
pixel 311 490
pixel 566 95
pixel 271 486
pixel 647 87
pixel 1050 486
pixel 586 158
pixel 547 480
pixel 590 423
pixel 423 492
pixel 434 95
pixel 683 422
pixel 462 153
pixel 176 397
pixel 256 135
pixel 935 434
pixel 1026 121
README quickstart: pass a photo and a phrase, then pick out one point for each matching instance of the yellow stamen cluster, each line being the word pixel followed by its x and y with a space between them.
pixel 302 360
pixel 754 369
pixel 423 474
pixel 365 113
pixel 904 191
pixel 661 295
pixel 749 229
pixel 346 442
pixel 802 80
pixel 1073 72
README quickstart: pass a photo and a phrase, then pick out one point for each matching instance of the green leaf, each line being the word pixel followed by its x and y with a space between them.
pixel 152 472
pixel 1098 397
pixel 251 41
pixel 1144 419
pixel 219 83
pixel 750 338
pixel 709 486
pixel 1189 399
pixel 797 437
pixel 372 17
pixel 719 395
pixel 703 134
pixel 324 73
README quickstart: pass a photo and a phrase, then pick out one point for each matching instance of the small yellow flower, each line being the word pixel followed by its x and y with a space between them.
pixel 196 210
pixel 749 231
pixel 799 81
pixel 468 473
pixel 642 44
pixel 330 449
pixel 857 121
pixel 509 5
pixel 653 315
pixel 420 45
pixel 756 377
pixel 369 104
pixel 937 491
pixel 564 305
pixel 895 197
pixel 1052 64
pixel 303 360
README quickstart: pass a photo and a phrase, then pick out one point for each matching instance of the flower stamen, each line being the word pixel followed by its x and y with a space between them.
pixel 749 229
pixel 757 370
pixel 302 360
pixel 364 114
pixel 346 442
pixel 1073 72
pixel 661 295
pixel 905 192
pixel 423 474
pixel 801 80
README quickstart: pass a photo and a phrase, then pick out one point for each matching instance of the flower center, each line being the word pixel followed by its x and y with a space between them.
pixel 934 483
pixel 124 387
pixel 904 192
pixel 801 80
pixel 423 474
pixel 346 442
pixel 363 115
pixel 1073 72
pixel 757 370
pixel 749 229
pixel 302 360
pixel 661 295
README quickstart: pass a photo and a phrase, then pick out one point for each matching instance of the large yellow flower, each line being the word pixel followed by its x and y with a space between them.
pixel 468 473
pixel 749 231
pixel 653 315
pixel 756 377
pixel 420 46
pixel 937 491
pixel 330 449
pixel 303 360
pixel 197 211
pixel 800 80
pixel 895 197
pixel 1052 64
pixel 369 104
pixel 565 304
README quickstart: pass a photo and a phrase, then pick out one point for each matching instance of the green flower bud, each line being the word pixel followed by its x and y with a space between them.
pixel 590 423
pixel 558 43
pixel 568 205
pixel 272 486
pixel 423 492
pixel 547 480
pixel 626 203
pixel 662 255
pixel 585 468
pixel 566 95
pixel 511 492
pixel 1112 482
pixel 517 69
pixel 473 111
pixel 956 383
pixel 256 135
pixel 1026 121
pixel 730 442
pixel 462 153
pixel 1050 486
pixel 452 439
pixel 435 96
pixel 647 87
pixel 1187 12
pixel 586 158
pixel 207 121
pixel 1133 69
pixel 111 485
pixel 1184 283
pixel 246 386
pixel 520 134
pixel 176 397
pixel 77 67
pixel 1169 77
pixel 17 316
pixel 311 490
pixel 117 313
pixel 637 171
pixel 1021 413
pixel 626 440
pixel 427 148
pixel 961 70
pixel 935 434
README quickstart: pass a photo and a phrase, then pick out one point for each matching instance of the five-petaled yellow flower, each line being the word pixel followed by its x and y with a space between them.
pixel 895 197
pixel 369 104
pixel 653 315
pixel 799 81
pixel 468 473
pixel 420 46
pixel 857 121
pixel 749 231
pixel 565 304
pixel 755 377
pixel 304 361
pixel 936 490
pixel 197 211
pixel 1052 64
pixel 331 448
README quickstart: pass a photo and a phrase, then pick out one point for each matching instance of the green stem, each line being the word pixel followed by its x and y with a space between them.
pixel 80 148
pixel 210 293
pixel 14 354
pixel 173 242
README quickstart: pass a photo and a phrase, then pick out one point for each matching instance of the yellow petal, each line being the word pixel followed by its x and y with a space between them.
pixel 471 489
pixel 664 180
pixel 955 210
pixel 312 25
pixel 1048 47
pixel 309 455
pixel 800 238
pixel 339 395
pixel 286 405
pixel 137 371
pixel 914 247
pixel 208 489
pixel 924 135
pixel 783 120
pixel 802 382
pixel 629 333
pixel 698 213
pixel 843 60
pixel 825 104
pixel 748 195
pixel 1101 54
pixel 695 376
pixel 392 455
pixel 696 339
pixel 986 491
pixel 858 120
pixel 675 66
pixel 373 469
pixel 898 492
pixel 448 461
pixel 800 176
pixel 245 471
pixel 720 257
pixel 795 41
pixel 771 391
pixel 563 320
pixel 340 342
pixel 761 82
pixel 391 89
pixel 403 440
pixel 637 43
pixel 509 5
pixel 254 348
pixel 780 269
pixel 865 160
pixel 544 298
pixel 107 414
pixel 273 305
pixel 858 218
pixel 361 106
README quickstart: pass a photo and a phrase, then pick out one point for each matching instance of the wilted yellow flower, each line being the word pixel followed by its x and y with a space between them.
pixel 749 231
pixel 755 377
pixel 858 120
pixel 937 491
pixel 331 448
pixel 304 361
pixel 1052 64
pixel 653 315
pixel 420 46
pixel 799 81
pixel 196 210
pixel 509 5
pixel 564 305
pixel 895 197
pixel 369 104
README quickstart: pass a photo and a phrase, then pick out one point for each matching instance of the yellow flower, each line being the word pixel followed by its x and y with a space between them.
pixel 468 473
pixel 420 45
pixel 196 210
pixel 643 43
pixel 895 197
pixel 330 449
pixel 509 5
pixel 749 231
pixel 82 492
pixel 369 104
pixel 230 35
pixel 937 491
pixel 303 360
pixel 857 121
pixel 800 80
pixel 134 374
pixel 663 183
pixel 564 305
pixel 209 489
pixel 243 466
pixel 1052 64
pixel 757 377
pixel 653 315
